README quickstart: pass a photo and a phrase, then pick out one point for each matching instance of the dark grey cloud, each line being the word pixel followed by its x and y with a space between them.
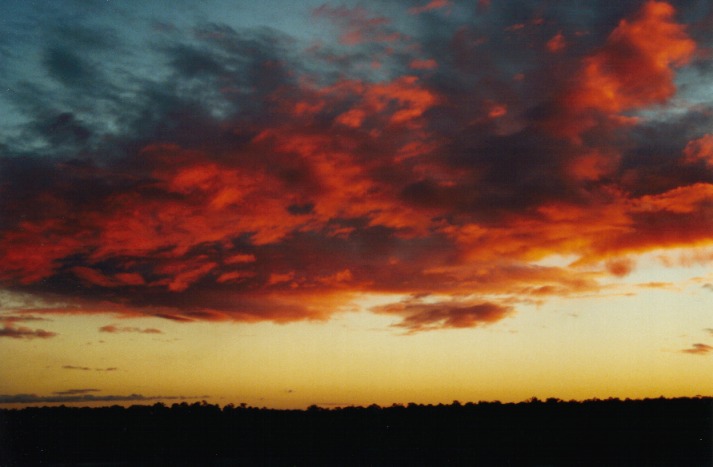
pixel 73 392
pixel 57 398
pixel 86 368
pixel 21 332
pixel 68 68
pixel 110 328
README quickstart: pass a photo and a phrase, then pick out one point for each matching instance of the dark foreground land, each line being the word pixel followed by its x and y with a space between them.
pixel 652 432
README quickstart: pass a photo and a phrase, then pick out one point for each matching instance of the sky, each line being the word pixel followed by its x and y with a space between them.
pixel 344 203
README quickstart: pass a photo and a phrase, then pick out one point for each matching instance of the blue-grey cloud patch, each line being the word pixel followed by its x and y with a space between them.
pixel 68 68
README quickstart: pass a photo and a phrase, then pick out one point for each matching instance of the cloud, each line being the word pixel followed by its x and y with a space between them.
pixel 620 267
pixel 431 6
pixel 115 329
pixel 358 25
pixel 72 392
pixel 700 149
pixel 73 367
pixel 21 332
pixel 86 368
pixel 698 349
pixel 634 68
pixel 557 43
pixel 20 318
pixel 252 176
pixel 420 316
pixel 65 397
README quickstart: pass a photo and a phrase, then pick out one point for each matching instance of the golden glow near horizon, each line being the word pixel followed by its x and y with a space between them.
pixel 402 203
pixel 626 343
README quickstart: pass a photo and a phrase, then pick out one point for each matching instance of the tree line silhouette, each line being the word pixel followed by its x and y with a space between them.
pixel 652 432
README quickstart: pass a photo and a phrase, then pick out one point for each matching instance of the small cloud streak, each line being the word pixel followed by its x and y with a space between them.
pixel 120 329
pixel 420 316
pixel 21 332
pixel 86 368
pixel 620 267
pixel 83 397
pixel 698 349
pixel 74 392
pixel 431 6
pixel 74 367
pixel 358 25
pixel 700 150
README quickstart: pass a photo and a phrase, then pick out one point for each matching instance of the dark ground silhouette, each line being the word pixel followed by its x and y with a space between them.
pixel 651 432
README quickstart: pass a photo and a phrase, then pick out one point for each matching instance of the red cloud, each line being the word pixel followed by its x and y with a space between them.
pixel 432 5
pixel 699 349
pixel 331 184
pixel 700 149
pixel 633 69
pixel 557 43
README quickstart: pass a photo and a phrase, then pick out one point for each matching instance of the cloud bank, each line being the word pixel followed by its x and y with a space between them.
pixel 82 396
pixel 435 149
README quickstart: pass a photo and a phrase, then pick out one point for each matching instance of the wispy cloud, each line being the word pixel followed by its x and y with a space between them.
pixel 74 392
pixel 86 368
pixel 21 332
pixel 430 6
pixel 110 328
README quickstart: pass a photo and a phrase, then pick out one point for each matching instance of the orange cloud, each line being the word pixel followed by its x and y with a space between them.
pixel 497 110
pixel 331 179
pixel 700 149
pixel 430 6
pixel 632 70
pixel 620 267
pixel 557 43
pixel 358 25
pixel 699 349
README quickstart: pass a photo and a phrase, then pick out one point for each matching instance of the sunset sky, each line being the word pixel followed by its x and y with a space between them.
pixel 289 203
